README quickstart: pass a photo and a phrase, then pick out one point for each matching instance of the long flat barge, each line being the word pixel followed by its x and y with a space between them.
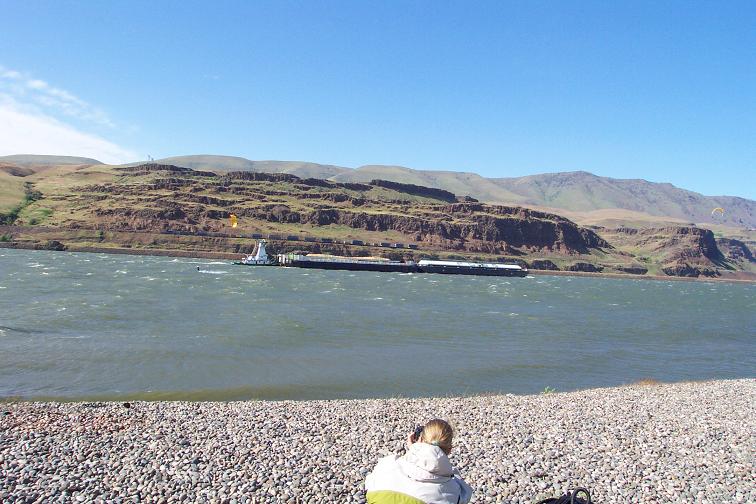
pixel 471 268
pixel 346 263
pixel 318 261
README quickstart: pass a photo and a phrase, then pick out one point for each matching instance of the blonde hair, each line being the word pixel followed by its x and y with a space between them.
pixel 439 433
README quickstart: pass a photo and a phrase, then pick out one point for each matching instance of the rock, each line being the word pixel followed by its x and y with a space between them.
pixel 585 267
pixel 683 270
pixel 633 270
pixel 627 443
pixel 52 245
pixel 543 264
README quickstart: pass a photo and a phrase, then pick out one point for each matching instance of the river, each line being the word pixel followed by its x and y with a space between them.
pixel 98 326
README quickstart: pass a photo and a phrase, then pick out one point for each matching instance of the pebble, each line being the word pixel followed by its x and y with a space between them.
pixel 671 443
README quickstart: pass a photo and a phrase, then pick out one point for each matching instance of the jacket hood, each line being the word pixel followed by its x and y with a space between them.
pixel 425 462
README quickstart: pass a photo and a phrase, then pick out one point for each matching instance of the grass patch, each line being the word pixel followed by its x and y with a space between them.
pixel 11 191
pixel 10 217
pixel 36 215
pixel 30 196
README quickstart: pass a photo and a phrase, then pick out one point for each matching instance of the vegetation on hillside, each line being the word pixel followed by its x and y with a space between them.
pixel 30 196
pixel 576 192
pixel 166 207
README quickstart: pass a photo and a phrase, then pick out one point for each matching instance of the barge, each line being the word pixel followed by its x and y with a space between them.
pixel 471 268
pixel 332 262
pixel 346 263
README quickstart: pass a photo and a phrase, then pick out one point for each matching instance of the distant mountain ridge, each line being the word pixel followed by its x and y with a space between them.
pixel 583 191
pixel 567 191
pixel 232 163
pixel 573 191
pixel 45 160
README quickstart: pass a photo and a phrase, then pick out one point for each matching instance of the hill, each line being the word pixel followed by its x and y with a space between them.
pixel 577 192
pixel 15 170
pixel 157 198
pixel 43 160
pixel 461 183
pixel 11 190
pixel 583 191
pixel 586 198
pixel 159 208
pixel 231 163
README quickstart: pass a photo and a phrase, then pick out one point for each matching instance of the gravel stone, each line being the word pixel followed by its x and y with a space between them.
pixel 669 443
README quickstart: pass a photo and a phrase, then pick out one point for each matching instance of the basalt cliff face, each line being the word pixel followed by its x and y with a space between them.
pixel 735 250
pixel 164 206
pixel 685 250
pixel 202 201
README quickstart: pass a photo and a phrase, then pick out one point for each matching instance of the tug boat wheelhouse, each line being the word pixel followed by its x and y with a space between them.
pixel 258 258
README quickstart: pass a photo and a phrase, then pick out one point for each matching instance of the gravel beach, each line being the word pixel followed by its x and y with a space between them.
pixel 686 442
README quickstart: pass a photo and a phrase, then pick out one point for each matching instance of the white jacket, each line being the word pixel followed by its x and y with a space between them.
pixel 423 473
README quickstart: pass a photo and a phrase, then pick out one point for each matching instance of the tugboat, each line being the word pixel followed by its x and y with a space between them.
pixel 258 258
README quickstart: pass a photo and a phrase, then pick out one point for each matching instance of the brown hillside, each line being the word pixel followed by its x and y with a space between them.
pixel 15 170
pixel 166 207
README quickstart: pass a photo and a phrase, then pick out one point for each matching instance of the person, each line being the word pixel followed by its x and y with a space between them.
pixel 423 475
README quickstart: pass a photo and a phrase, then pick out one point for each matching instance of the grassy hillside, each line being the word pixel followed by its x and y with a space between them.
pixel 460 183
pixel 230 163
pixel 16 170
pixel 42 160
pixel 577 192
pixel 159 208
pixel 582 191
pixel 208 162
pixel 588 198
pixel 11 191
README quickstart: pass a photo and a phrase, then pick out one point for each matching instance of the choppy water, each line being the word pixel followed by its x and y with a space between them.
pixel 114 326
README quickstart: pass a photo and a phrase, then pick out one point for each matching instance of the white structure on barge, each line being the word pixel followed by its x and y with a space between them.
pixel 258 258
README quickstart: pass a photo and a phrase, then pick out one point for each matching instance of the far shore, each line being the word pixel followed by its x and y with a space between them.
pixel 230 256
pixel 648 442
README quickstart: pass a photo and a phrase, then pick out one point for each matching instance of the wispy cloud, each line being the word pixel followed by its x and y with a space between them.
pixel 51 99
pixel 34 118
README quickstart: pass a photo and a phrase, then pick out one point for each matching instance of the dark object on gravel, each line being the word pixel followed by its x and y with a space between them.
pixel 127 405
pixel 569 498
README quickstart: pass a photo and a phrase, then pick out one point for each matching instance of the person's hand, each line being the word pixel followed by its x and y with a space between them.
pixel 410 439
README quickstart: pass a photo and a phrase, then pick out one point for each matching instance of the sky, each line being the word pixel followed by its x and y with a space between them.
pixel 663 91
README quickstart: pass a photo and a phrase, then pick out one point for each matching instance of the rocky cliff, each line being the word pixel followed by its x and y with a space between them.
pixel 202 201
pixel 680 250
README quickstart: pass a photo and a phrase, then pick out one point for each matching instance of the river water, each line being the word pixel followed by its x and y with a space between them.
pixel 96 326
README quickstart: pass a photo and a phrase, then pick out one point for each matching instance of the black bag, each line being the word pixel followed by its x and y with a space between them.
pixel 569 498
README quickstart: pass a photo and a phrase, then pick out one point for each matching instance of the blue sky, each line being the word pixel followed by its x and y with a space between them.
pixel 664 91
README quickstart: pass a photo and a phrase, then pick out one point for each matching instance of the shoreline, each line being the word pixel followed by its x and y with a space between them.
pixel 237 256
pixel 231 395
pixel 680 442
